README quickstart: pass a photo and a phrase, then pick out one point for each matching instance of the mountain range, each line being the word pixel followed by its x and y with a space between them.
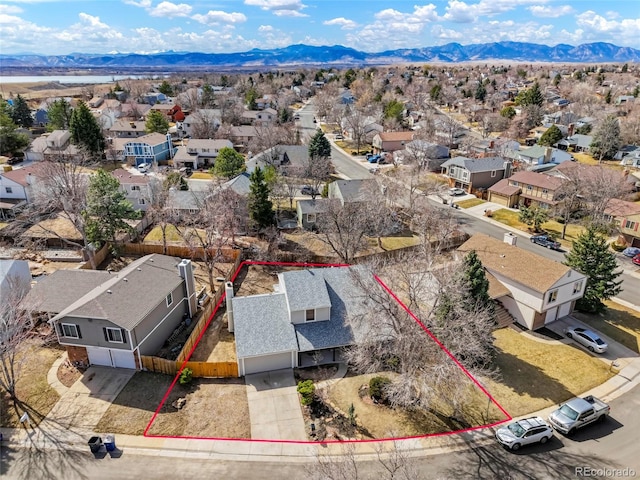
pixel 295 55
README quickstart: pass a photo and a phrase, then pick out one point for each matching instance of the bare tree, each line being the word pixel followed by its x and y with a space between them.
pixel 204 124
pixel 316 170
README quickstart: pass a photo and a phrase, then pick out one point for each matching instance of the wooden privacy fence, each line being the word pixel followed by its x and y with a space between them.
pixel 196 253
pixel 199 369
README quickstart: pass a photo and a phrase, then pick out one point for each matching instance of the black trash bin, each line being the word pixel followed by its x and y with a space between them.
pixel 110 443
pixel 94 444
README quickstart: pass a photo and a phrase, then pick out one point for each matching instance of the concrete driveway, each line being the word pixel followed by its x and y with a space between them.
pixel 88 399
pixel 274 406
pixel 616 352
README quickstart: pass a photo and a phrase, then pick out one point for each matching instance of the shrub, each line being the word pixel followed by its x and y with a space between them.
pixel 377 386
pixel 617 247
pixel 186 376
pixel 307 391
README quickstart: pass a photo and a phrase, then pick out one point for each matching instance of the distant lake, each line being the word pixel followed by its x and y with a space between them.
pixel 70 78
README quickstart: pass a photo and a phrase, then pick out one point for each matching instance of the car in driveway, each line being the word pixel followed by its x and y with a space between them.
pixel 545 241
pixel 636 260
pixel 339 136
pixel 373 158
pixel 309 190
pixel 524 432
pixel 144 167
pixel 631 252
pixel 16 160
pixel 587 338
pixel 454 192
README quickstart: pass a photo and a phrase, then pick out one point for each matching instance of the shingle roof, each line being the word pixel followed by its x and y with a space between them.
pixel 319 205
pixel 516 264
pixel 350 190
pixel 503 188
pixel 150 139
pixel 305 289
pixel 475 165
pixel 186 199
pixel 395 136
pixel 128 178
pixel 240 184
pixel 622 208
pixel 537 180
pixel 128 296
pixel 19 175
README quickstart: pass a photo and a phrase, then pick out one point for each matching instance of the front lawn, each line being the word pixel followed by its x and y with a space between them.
pixel 472 202
pixel 620 323
pixel 509 218
pixel 551 227
pixel 201 176
pixel 536 375
pixel 32 387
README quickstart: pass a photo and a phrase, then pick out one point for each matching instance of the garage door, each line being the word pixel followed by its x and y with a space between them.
pixel 499 199
pixel 267 363
pixel 564 310
pixel 123 359
pixel 99 356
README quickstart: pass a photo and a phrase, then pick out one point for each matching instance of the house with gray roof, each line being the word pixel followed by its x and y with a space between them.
pixel 539 157
pixel 473 174
pixel 307 320
pixel 15 280
pixel 112 319
pixel 282 156
pixel 577 142
pixel 309 210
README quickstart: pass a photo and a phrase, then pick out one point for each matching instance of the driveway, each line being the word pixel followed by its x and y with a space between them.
pixel 274 406
pixel 616 352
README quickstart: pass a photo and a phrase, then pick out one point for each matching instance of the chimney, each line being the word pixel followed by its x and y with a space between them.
pixel 185 269
pixel 570 130
pixel 547 155
pixel 507 169
pixel 510 239
pixel 228 296
pixel 30 178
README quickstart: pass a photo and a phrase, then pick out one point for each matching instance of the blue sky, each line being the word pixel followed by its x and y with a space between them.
pixel 102 26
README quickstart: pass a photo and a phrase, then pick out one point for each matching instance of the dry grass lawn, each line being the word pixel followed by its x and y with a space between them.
pixel 552 227
pixel 585 158
pixel 618 322
pixel 173 236
pixel 214 408
pixel 472 202
pixel 217 344
pixel 32 387
pixel 384 422
pixel 201 176
pixel 536 375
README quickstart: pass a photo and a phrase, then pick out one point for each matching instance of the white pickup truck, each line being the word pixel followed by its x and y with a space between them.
pixel 577 413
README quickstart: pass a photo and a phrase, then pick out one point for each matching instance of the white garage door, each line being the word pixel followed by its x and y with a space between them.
pixel 552 315
pixel 564 310
pixel 99 356
pixel 123 359
pixel 266 363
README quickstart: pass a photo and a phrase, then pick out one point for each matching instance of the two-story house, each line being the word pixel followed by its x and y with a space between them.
pixel 242 135
pixel 124 129
pixel 259 117
pixel 626 215
pixel 527 188
pixel 390 141
pixel 303 322
pixel 198 153
pixel 475 174
pixel 52 146
pixel 138 189
pixel 540 157
pixel 153 149
pixel 17 189
pixel 534 289
pixel 204 120
pixel 111 319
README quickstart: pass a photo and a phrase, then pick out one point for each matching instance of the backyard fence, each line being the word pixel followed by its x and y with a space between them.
pixel 98 258
pixel 195 253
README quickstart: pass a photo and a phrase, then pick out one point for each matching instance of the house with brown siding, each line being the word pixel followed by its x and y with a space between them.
pixel 526 188
pixel 472 174
pixel 390 141
pixel 626 215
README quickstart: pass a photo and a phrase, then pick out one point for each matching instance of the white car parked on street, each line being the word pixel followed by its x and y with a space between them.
pixel 524 432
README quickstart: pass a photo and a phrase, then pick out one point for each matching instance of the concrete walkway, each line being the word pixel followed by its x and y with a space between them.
pixel 274 406
pixel 52 376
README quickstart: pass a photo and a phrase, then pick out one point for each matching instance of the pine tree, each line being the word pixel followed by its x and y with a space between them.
pixel 319 146
pixel 533 216
pixel 531 96
pixel 606 141
pixel 590 256
pixel 21 113
pixel 260 207
pixel 59 114
pixel 10 141
pixel 229 163
pixel 552 136
pixel 156 122
pixel 475 279
pixel 85 130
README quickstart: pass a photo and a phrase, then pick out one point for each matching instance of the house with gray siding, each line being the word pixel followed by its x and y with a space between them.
pixel 112 319
pixel 472 174
pixel 307 320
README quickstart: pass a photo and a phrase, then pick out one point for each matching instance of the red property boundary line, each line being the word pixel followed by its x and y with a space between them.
pixel 259 440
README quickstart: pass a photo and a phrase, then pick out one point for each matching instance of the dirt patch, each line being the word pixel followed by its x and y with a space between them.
pixel 217 344
pixel 213 408
pixel 68 374
pixel 32 388
pixel 258 279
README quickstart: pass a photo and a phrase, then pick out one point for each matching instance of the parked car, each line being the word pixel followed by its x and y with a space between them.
pixel 578 413
pixel 631 252
pixel 309 190
pixel 454 192
pixel 296 117
pixel 524 432
pixel 636 260
pixel 588 338
pixel 339 136
pixel 144 167
pixel 545 241
pixel 15 160
pixel 373 158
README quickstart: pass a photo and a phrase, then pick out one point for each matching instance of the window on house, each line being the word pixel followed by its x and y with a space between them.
pixel 544 190
pixel 311 218
pixel 113 335
pixel 135 187
pixel 141 201
pixel 8 189
pixel 529 187
pixel 310 315
pixel 515 184
pixel 193 211
pixel 493 173
pixel 553 296
pixel 169 299
pixel 577 287
pixel 70 330
pixel 629 224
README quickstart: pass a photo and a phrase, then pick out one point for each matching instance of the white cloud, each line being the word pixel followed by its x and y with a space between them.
pixel 462 12
pixel 265 28
pixel 342 22
pixel 9 9
pixel 91 21
pixel 280 8
pixel 550 11
pixel 170 10
pixel 214 17
pixel 597 28
pixel 141 3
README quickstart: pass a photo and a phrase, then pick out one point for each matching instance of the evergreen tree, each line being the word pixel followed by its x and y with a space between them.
pixel 552 136
pixel 85 131
pixel 508 112
pixel 10 141
pixel 533 216
pixel 59 114
pixel 590 256
pixel 319 146
pixel 156 122
pixel 229 163
pixel 250 98
pixel 481 92
pixel 531 96
pixel 393 109
pixel 606 141
pixel 475 279
pixel 21 113
pixel 107 209
pixel 166 88
pixel 260 207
